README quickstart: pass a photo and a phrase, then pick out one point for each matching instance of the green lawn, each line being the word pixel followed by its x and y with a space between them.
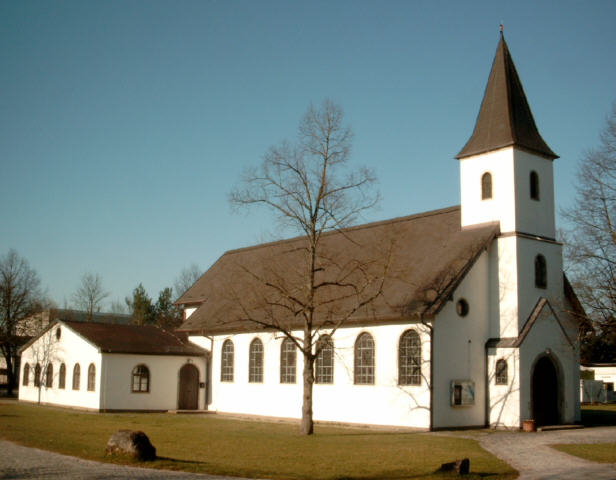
pixel 594 416
pixel 219 445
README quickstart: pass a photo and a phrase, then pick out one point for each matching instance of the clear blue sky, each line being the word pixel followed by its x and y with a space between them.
pixel 123 125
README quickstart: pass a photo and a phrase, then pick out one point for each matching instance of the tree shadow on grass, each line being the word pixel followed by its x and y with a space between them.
pixel 598 417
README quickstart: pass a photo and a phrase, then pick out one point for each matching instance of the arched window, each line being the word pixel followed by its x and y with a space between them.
pixel 58 333
pixel 288 358
pixel 364 360
pixel 26 380
pixel 141 379
pixel 486 186
pixel 255 361
pixel 325 360
pixel 541 272
pixel 226 361
pixel 76 376
pixel 37 375
pixel 501 372
pixel 91 378
pixel 49 376
pixel 62 377
pixel 409 359
pixel 534 185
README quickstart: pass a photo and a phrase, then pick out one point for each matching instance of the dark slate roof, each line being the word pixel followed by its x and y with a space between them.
pixel 135 339
pixel 82 316
pixel 505 118
pixel 427 256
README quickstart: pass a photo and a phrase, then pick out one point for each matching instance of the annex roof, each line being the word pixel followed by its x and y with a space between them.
pixel 505 118
pixel 425 256
pixel 134 339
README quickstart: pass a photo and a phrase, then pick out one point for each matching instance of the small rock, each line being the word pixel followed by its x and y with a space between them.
pixel 133 444
pixel 462 467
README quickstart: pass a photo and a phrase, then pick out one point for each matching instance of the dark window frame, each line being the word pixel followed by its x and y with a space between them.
pixel 37 375
pixel 62 377
pixel 25 381
pixel 255 361
pixel 227 360
pixel 486 186
pixel 535 192
pixel 409 358
pixel 364 364
pixel 288 361
pixel 140 379
pixel 324 363
pixel 91 377
pixel 49 376
pixel 76 377
pixel 541 272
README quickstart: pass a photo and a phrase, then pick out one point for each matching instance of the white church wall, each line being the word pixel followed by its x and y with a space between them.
pixel 501 207
pixel 189 311
pixel 384 403
pixel 504 399
pixel 529 294
pixel 534 216
pixel 116 391
pixel 508 287
pixel 459 350
pixel 69 349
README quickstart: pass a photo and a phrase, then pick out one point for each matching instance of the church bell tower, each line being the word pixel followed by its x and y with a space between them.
pixel 506 176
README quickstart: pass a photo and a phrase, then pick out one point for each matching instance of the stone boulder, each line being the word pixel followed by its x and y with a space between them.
pixel 132 444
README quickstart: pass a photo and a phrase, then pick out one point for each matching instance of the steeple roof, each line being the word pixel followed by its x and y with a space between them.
pixel 505 118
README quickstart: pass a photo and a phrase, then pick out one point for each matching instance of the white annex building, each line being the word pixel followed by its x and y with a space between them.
pixel 474 326
pixel 112 367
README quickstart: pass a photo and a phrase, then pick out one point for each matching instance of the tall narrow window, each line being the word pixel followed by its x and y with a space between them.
pixel 37 375
pixel 409 359
pixel 541 273
pixel 325 360
pixel 62 376
pixel 255 362
pixel 76 376
pixel 226 361
pixel 534 185
pixel 486 186
pixel 141 379
pixel 501 372
pixel 288 358
pixel 91 378
pixel 49 376
pixel 26 380
pixel 364 360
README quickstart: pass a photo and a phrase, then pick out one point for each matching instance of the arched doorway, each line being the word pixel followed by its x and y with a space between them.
pixel 545 393
pixel 189 388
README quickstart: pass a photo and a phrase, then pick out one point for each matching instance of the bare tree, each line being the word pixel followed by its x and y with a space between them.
pixel 186 279
pixel 591 239
pixel 20 297
pixel 90 294
pixel 310 190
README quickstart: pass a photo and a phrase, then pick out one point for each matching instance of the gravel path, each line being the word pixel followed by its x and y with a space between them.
pixel 530 454
pixel 17 462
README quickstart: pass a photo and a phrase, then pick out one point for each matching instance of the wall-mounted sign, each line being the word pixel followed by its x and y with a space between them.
pixel 462 393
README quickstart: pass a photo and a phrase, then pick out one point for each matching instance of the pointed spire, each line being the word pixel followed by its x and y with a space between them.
pixel 505 118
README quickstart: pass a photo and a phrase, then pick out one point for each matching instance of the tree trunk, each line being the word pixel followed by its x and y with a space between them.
pixel 307 425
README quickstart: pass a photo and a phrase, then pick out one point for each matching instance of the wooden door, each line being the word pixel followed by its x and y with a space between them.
pixel 189 388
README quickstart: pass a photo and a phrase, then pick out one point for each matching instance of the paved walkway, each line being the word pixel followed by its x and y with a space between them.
pixel 21 463
pixel 530 454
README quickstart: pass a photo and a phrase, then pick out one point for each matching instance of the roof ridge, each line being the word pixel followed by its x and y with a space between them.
pixel 363 226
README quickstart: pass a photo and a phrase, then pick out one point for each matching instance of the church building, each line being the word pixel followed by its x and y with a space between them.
pixel 475 324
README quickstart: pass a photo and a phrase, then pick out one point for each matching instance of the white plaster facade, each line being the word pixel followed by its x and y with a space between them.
pixel 113 375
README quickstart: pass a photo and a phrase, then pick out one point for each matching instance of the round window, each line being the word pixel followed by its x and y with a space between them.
pixel 462 307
